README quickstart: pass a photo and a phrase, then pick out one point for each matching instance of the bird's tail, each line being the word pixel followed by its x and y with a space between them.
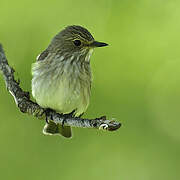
pixel 52 128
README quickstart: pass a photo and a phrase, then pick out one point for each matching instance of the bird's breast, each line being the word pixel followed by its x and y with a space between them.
pixel 63 87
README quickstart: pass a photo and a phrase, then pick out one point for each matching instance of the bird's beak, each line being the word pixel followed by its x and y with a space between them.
pixel 98 44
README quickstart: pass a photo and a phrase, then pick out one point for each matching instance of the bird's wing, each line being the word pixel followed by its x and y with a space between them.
pixel 43 55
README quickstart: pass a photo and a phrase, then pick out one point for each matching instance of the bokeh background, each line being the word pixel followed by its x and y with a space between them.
pixel 136 81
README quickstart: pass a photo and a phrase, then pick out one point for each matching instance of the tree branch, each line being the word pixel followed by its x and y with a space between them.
pixel 25 105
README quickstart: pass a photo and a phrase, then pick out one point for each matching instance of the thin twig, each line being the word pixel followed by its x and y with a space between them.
pixel 25 105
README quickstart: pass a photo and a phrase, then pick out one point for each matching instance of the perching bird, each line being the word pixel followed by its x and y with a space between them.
pixel 62 75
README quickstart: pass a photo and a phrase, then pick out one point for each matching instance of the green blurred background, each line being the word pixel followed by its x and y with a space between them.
pixel 136 81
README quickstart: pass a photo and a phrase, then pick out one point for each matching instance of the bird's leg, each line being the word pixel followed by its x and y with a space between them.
pixel 101 118
pixel 81 115
pixel 47 113
pixel 71 114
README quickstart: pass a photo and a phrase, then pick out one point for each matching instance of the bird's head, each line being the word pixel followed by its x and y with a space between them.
pixel 75 42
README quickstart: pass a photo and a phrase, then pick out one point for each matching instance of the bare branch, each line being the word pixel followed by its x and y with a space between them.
pixel 25 105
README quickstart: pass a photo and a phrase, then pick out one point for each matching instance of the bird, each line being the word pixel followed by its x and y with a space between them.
pixel 62 78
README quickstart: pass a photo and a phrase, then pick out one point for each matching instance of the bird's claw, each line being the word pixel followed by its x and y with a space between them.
pixel 47 113
pixel 70 115
pixel 101 118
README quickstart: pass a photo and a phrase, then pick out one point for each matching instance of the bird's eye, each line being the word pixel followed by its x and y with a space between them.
pixel 77 42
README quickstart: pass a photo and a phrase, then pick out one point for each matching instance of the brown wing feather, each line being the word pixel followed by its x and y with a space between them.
pixel 43 55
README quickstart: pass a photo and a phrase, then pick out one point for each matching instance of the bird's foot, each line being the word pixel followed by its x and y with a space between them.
pixel 48 113
pixel 101 118
pixel 70 115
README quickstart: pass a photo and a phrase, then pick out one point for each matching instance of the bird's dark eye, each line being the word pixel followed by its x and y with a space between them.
pixel 77 42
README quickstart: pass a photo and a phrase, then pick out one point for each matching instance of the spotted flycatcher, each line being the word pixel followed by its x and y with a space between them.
pixel 62 75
